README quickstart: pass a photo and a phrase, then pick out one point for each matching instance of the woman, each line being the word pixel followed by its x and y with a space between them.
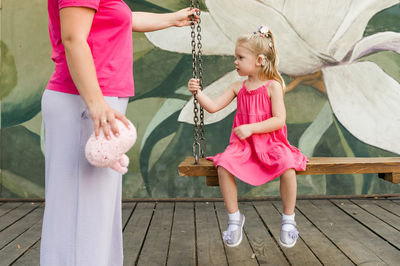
pixel 92 51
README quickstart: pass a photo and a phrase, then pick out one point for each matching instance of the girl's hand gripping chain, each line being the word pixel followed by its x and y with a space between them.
pixel 193 86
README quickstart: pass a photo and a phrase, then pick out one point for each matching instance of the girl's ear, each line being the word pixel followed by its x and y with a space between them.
pixel 261 60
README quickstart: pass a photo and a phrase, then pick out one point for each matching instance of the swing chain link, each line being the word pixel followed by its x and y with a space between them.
pixel 199 141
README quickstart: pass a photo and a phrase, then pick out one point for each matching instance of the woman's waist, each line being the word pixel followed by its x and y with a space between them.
pixel 110 86
pixel 105 72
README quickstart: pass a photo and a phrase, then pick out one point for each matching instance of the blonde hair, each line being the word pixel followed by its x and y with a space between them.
pixel 262 43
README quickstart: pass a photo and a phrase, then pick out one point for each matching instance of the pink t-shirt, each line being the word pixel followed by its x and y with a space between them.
pixel 110 40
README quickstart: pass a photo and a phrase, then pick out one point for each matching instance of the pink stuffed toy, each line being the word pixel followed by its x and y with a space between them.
pixel 111 153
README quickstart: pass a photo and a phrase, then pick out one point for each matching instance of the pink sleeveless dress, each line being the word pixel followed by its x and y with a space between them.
pixel 261 157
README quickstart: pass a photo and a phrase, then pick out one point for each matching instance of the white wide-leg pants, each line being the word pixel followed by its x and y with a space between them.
pixel 82 218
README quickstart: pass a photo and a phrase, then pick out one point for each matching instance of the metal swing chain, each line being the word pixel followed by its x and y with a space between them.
pixel 199 141
pixel 202 139
pixel 196 144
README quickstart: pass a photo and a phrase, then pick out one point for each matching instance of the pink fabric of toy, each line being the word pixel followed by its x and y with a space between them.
pixel 111 153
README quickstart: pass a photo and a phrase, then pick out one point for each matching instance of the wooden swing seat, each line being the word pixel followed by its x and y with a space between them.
pixel 387 168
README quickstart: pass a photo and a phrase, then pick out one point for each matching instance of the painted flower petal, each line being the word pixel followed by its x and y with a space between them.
pixel 365 100
pixel 389 41
pixel 213 90
pixel 277 4
pixel 353 25
pixel 214 41
pixel 303 17
pixel 296 56
pixel 346 24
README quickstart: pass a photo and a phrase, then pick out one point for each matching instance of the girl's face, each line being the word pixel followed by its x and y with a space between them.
pixel 246 62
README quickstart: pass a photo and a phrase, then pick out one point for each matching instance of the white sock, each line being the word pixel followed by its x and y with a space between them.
pixel 288 227
pixel 236 217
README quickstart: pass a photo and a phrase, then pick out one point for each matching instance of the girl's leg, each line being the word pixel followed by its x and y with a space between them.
pixel 228 188
pixel 288 187
pixel 233 235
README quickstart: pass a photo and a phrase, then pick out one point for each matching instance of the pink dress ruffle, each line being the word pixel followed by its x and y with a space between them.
pixel 261 157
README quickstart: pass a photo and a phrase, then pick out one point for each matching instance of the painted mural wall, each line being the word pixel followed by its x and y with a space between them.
pixel 340 60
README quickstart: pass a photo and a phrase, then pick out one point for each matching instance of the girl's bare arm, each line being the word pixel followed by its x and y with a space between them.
pixel 209 104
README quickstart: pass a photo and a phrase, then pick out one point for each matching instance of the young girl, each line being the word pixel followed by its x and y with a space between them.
pixel 258 150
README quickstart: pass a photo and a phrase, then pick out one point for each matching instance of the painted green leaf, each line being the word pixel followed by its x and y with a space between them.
pixel 151 72
pixel 176 4
pixel 170 71
pixel 28 41
pixel 147 6
pixel 21 157
pixel 386 20
pixel 8 73
pixel 389 62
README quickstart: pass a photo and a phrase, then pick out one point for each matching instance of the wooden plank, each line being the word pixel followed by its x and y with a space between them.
pixel 391 177
pixel 339 232
pixel 264 245
pixel 20 226
pixel 376 225
pixel 8 206
pixel 16 248
pixel 210 248
pixel 127 209
pixel 376 209
pixel 300 254
pixel 16 214
pixel 204 168
pixel 241 255
pixel 315 166
pixel 389 205
pixel 155 248
pixel 135 231
pixel 31 257
pixel 351 165
pixel 356 232
pixel 320 245
pixel 182 248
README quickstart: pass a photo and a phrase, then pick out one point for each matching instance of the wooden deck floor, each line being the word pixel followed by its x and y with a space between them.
pixel 332 232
